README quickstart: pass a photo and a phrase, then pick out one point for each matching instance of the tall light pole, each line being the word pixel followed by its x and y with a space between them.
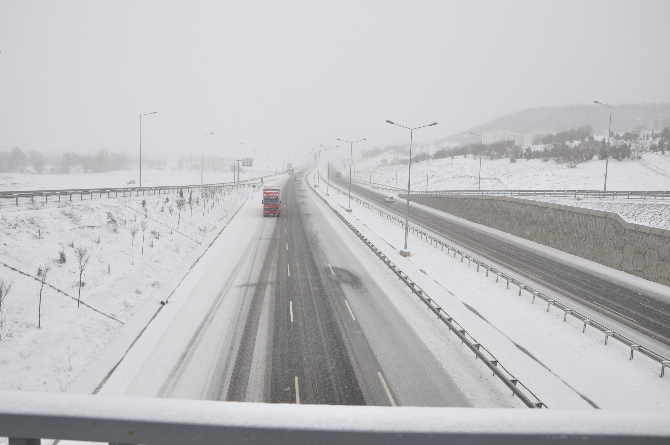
pixel 145 114
pixel 202 154
pixel 351 160
pixel 405 252
pixel 481 149
pixel 427 171
pixel 609 132
pixel 328 166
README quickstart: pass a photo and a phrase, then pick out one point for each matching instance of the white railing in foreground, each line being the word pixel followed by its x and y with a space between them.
pixel 129 420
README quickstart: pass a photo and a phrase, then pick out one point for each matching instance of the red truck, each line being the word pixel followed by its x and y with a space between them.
pixel 271 202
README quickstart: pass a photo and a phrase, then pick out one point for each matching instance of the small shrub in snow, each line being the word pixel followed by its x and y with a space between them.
pixel 132 181
pixel 144 228
pixel 112 222
pixel 82 255
pixel 156 234
pixel 512 160
pixel 42 273
pixel 133 231
pixel 5 289
pixel 71 245
pixel 62 259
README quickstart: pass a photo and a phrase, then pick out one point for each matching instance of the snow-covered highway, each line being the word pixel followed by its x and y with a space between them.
pixel 295 310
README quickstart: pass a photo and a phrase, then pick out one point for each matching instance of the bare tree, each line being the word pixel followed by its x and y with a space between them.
pixel 42 273
pixel 144 229
pixel 171 210
pixel 190 201
pixel 82 255
pixel 5 288
pixel 133 231
pixel 181 203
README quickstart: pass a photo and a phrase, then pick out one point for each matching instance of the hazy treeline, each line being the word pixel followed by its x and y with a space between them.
pixel 17 160
pixel 210 163
pixel 566 147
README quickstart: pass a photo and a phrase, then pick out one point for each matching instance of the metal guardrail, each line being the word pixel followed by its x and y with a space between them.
pixel 15 195
pixel 599 194
pixel 535 293
pixel 27 416
pixel 518 388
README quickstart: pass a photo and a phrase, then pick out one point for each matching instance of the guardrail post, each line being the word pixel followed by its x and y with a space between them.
pixel 607 335
pixel 521 286
pixel 589 322
pixel 507 284
pixel 633 348
pixel 664 363
pixel 565 315
pixel 533 300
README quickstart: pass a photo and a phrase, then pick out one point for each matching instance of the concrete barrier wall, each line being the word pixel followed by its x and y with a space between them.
pixel 603 237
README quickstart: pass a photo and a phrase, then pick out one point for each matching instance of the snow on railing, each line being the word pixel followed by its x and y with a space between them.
pixel 15 195
pixel 431 237
pixel 617 194
pixel 25 417
pixel 518 388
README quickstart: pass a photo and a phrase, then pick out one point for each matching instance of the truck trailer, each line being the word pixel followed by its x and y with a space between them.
pixel 271 201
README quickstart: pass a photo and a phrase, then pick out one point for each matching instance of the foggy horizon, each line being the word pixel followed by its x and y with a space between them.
pixel 75 76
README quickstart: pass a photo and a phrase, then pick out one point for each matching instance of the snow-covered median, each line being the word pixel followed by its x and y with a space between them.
pixel 129 247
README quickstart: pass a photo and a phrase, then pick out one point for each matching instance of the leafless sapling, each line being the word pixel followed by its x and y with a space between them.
pixel 133 231
pixel 181 203
pixel 190 202
pixel 144 229
pixel 42 272
pixel 171 210
pixel 82 255
pixel 5 288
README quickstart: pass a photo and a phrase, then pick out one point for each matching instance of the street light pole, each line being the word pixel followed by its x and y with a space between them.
pixel 351 160
pixel 202 154
pixel 479 187
pixel 427 171
pixel 609 132
pixel 145 114
pixel 405 252
pixel 253 164
pixel 328 166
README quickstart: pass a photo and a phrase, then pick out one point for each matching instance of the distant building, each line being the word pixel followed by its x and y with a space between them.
pixel 662 124
pixel 519 139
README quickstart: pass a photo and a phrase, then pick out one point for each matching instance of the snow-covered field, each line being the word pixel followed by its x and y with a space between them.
pixel 652 172
pixel 123 272
pixel 121 178
pixel 563 366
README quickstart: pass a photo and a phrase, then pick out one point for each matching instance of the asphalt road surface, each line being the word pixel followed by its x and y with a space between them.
pixel 641 312
pixel 329 335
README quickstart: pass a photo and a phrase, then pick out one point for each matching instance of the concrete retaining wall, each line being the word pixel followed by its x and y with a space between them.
pixel 599 236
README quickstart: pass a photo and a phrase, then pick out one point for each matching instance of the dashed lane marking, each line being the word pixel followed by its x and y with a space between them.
pixel 297 391
pixel 350 311
pixel 288 269
pixel 320 246
pixel 618 313
pixel 664 313
pixel 286 246
pixel 290 309
pixel 386 388
pixel 331 269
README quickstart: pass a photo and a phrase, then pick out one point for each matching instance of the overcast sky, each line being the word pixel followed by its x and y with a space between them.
pixel 292 75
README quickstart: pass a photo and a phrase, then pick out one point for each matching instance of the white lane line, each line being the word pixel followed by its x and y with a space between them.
pixel 350 311
pixel 331 269
pixel 286 246
pixel 288 268
pixel 665 313
pixel 313 230
pixel 618 313
pixel 290 309
pixel 297 391
pixel 320 246
pixel 386 388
